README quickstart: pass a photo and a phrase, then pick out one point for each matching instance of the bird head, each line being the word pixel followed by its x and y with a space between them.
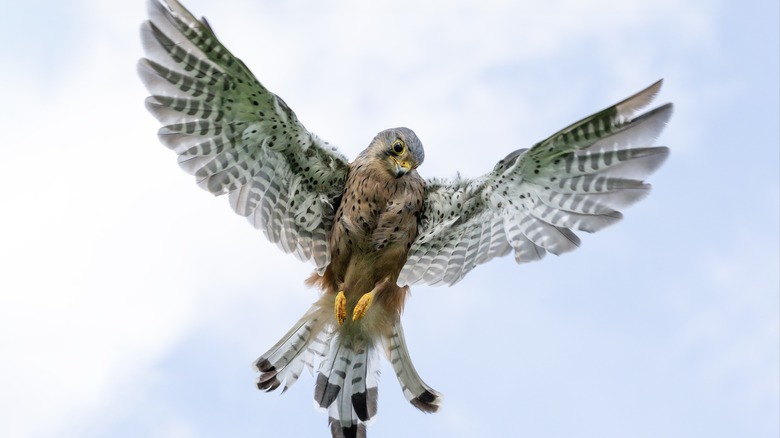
pixel 399 150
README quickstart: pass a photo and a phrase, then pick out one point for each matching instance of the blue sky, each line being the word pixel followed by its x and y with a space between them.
pixel 132 303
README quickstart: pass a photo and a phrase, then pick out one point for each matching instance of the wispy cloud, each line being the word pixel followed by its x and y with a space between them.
pixel 112 258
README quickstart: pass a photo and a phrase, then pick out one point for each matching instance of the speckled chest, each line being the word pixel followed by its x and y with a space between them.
pixel 377 211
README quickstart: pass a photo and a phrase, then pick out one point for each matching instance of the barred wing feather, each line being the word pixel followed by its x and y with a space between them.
pixel 237 137
pixel 534 199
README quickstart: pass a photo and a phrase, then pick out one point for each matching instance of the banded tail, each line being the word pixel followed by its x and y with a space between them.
pixel 306 342
pixel 348 374
pixel 417 392
pixel 347 386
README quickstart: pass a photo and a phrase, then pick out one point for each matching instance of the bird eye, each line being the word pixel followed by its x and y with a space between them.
pixel 398 147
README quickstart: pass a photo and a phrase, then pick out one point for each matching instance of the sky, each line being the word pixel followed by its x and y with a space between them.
pixel 133 303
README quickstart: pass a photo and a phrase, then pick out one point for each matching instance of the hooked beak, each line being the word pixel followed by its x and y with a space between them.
pixel 401 168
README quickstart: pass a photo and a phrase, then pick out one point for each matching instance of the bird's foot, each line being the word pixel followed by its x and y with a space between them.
pixel 362 306
pixel 340 307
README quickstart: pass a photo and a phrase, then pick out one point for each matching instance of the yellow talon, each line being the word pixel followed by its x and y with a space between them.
pixel 362 306
pixel 340 307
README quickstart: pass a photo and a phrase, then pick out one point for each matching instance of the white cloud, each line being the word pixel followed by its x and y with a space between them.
pixel 748 288
pixel 111 255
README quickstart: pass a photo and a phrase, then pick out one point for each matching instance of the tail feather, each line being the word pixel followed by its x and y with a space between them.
pixel 348 371
pixel 297 349
pixel 330 378
pixel 338 431
pixel 347 387
pixel 417 392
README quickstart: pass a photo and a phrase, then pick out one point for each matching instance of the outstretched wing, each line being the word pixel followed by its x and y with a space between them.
pixel 534 198
pixel 237 137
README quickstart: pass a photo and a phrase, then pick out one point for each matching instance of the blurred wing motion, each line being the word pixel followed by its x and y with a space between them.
pixel 577 179
pixel 237 137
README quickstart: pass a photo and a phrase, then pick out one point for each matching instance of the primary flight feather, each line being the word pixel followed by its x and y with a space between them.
pixel 374 226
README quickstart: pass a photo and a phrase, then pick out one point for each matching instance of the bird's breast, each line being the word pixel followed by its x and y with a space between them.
pixel 375 224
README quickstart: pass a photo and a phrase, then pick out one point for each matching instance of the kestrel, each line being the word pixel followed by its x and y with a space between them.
pixel 373 227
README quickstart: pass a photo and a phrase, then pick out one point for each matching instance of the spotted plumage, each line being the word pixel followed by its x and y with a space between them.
pixel 373 227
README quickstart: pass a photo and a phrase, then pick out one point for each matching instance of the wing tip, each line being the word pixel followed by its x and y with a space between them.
pixel 629 106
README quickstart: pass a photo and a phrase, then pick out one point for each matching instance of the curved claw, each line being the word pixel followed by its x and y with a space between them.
pixel 362 306
pixel 340 307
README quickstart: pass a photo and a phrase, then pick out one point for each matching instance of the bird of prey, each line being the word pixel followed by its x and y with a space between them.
pixel 374 226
